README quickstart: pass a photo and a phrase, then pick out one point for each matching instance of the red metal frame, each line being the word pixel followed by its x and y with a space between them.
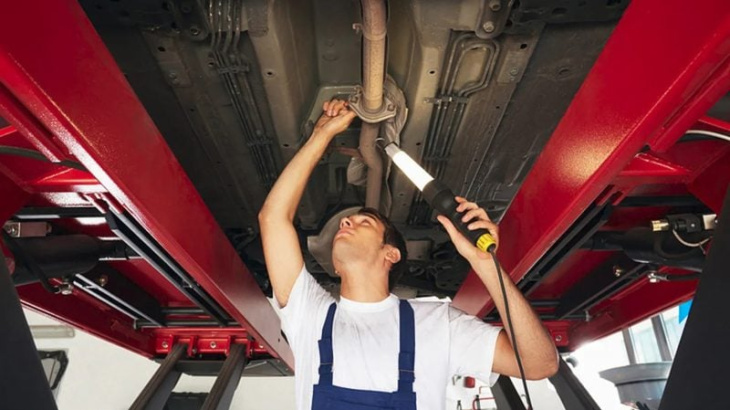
pixel 70 110
pixel 648 86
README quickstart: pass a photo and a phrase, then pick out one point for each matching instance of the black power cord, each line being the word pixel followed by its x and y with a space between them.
pixel 511 328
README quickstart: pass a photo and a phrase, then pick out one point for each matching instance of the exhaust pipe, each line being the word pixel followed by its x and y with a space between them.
pixel 373 76
pixel 373 60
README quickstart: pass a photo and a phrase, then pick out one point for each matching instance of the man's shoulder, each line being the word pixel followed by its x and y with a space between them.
pixel 430 307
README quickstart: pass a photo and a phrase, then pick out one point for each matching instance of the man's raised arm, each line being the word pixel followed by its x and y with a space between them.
pixel 536 347
pixel 280 241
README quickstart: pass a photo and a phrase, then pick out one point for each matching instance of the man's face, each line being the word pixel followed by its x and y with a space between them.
pixel 360 236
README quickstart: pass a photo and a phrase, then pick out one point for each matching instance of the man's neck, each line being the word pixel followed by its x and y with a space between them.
pixel 363 286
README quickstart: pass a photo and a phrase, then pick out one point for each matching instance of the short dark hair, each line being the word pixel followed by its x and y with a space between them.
pixel 391 237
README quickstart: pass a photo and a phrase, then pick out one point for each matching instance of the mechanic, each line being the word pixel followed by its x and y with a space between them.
pixel 371 350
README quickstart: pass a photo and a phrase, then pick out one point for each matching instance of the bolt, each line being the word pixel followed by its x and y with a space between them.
pixel 513 72
pixel 103 280
pixel 354 99
pixel 558 338
pixel 172 75
pixel 495 5
pixel 617 271
pixel 186 7
pixel 391 107
pixel 165 345
pixel 653 278
pixel 66 288
pixel 213 345
pixel 194 31
pixel 488 27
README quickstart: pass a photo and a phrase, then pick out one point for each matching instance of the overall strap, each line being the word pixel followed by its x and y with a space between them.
pixel 407 355
pixel 326 357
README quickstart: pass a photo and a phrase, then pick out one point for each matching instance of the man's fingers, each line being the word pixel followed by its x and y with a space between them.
pixel 454 234
pixel 463 245
pixel 350 115
pixel 482 224
pixel 450 228
pixel 335 107
pixel 475 213
pixel 466 205
pixel 343 109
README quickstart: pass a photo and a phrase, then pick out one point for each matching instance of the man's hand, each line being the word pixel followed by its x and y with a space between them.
pixel 335 118
pixel 476 218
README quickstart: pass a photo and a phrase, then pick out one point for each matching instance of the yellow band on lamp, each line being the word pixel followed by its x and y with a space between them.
pixel 486 242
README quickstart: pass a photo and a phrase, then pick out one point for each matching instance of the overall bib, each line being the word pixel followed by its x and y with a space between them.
pixel 329 397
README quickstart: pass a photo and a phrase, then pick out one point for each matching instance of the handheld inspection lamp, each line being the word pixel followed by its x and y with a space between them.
pixel 439 196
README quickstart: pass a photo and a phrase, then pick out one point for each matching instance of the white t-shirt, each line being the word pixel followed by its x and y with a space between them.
pixel 365 344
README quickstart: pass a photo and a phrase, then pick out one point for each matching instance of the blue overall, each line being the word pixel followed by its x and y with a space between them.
pixel 329 397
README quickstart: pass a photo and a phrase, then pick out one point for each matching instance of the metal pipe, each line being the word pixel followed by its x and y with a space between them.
pixel 373 59
pixel 371 157
pixel 373 31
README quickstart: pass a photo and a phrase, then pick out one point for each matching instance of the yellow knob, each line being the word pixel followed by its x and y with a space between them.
pixel 486 242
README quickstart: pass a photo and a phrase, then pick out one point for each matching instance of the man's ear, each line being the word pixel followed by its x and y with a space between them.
pixel 392 254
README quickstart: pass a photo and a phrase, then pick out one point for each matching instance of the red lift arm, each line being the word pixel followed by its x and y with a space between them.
pixel 650 84
pixel 64 93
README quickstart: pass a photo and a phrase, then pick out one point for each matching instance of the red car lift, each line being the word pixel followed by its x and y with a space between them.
pixel 86 155
pixel 66 98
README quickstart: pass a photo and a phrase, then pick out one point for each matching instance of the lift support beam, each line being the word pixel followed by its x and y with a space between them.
pixel 88 112
pixel 155 394
pixel 651 82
